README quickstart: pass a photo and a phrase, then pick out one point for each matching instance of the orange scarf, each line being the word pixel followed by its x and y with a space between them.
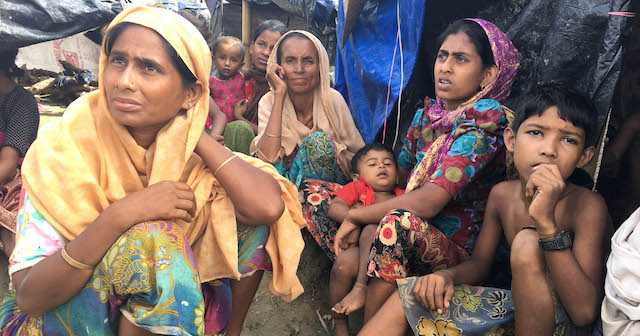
pixel 84 162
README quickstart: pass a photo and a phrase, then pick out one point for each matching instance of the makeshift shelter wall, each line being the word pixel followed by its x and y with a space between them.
pixel 575 41
pixel 232 23
pixel 77 50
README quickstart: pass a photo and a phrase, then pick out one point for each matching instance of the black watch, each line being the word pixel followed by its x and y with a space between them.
pixel 560 241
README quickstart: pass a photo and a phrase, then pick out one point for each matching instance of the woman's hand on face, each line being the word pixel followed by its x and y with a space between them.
pixel 164 200
pixel 275 77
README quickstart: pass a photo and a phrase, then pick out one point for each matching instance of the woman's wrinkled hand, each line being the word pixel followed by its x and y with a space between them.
pixel 164 200
pixel 275 77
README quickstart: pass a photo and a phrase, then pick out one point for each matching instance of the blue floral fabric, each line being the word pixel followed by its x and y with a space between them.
pixel 473 164
pixel 148 276
pixel 481 311
pixel 315 159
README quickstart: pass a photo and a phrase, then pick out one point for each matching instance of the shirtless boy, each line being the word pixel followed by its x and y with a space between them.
pixel 555 229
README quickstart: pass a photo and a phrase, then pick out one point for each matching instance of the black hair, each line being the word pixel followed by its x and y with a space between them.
pixel 188 78
pixel 270 25
pixel 366 149
pixel 8 63
pixel 572 107
pixel 289 36
pixel 476 35
pixel 227 40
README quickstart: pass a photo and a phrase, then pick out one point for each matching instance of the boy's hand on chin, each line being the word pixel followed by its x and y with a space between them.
pixel 544 189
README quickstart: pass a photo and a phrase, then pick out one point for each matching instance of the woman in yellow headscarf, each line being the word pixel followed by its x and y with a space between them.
pixel 129 213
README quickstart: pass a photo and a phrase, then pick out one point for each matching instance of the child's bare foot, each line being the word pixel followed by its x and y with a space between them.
pixel 353 301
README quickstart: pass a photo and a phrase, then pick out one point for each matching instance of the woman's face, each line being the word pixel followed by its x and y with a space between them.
pixel 299 60
pixel 140 81
pixel 262 47
pixel 458 71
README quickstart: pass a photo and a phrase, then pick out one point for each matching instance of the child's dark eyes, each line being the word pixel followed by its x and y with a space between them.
pixel 534 132
pixel 571 141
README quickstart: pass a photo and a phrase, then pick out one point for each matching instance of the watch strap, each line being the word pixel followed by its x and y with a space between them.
pixel 560 241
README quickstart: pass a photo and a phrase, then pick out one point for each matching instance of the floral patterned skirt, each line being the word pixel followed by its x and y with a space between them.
pixel 149 277
pixel 315 159
pixel 473 311
pixel 406 245
pixel 315 196
pixel 252 254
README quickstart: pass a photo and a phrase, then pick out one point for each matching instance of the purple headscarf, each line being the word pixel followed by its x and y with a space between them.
pixel 507 60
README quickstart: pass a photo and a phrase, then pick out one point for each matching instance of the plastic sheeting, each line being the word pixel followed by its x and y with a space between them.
pixel 364 64
pixel 318 13
pixel 24 22
pixel 576 42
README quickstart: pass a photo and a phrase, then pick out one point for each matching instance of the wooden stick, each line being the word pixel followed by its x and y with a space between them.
pixel 246 28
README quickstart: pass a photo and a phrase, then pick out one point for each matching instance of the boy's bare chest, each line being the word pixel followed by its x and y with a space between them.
pixel 515 217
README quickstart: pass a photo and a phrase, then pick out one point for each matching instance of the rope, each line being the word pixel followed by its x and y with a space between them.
pixel 596 173
pixel 386 106
pixel 395 140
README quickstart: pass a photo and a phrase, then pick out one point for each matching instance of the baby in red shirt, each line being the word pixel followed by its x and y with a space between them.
pixel 375 175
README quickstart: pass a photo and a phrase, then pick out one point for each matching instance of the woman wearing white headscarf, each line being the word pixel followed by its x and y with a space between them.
pixel 305 128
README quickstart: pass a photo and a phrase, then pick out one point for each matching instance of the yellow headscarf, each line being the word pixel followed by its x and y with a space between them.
pixel 84 162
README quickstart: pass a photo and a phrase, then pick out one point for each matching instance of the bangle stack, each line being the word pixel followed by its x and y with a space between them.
pixel 74 263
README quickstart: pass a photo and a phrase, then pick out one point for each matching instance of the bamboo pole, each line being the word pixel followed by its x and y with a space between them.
pixel 246 28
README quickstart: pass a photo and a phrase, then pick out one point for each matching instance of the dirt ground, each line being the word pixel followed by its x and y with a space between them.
pixel 269 315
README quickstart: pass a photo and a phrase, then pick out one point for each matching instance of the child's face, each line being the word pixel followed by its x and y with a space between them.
pixel 378 170
pixel 228 59
pixel 547 139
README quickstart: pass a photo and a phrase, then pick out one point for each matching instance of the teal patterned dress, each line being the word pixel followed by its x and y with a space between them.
pixel 148 276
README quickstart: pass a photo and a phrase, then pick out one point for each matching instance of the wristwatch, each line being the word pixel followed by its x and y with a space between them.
pixel 560 241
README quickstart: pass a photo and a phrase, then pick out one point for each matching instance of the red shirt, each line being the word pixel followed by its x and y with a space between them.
pixel 360 191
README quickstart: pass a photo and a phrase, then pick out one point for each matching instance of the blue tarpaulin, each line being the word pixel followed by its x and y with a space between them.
pixel 363 65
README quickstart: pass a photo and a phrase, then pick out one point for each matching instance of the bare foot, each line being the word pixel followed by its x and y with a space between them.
pixel 353 301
